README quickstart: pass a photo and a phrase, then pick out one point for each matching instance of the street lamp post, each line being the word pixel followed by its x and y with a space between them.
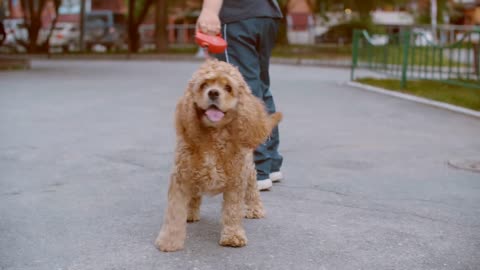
pixel 82 25
pixel 433 16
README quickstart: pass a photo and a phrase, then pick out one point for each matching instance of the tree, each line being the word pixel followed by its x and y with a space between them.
pixel 137 11
pixel 425 11
pixel 282 30
pixel 32 13
pixel 46 43
pixel 363 8
pixel 3 34
pixel 161 21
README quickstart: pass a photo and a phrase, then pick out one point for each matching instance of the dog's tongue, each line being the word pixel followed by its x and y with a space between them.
pixel 214 115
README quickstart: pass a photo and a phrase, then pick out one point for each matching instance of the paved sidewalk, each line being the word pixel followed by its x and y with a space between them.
pixel 86 149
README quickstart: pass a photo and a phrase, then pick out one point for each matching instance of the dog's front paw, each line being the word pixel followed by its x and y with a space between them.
pixel 254 212
pixel 236 239
pixel 168 244
pixel 193 216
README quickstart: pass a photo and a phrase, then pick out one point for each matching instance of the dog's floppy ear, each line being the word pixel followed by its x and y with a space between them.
pixel 254 124
pixel 186 120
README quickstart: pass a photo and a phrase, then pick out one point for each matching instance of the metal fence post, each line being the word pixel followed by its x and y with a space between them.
pixel 356 34
pixel 410 55
pixel 406 48
pixel 476 59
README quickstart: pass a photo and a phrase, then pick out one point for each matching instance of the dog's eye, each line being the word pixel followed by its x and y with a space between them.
pixel 228 88
pixel 203 85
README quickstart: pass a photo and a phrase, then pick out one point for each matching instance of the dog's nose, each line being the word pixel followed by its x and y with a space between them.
pixel 213 94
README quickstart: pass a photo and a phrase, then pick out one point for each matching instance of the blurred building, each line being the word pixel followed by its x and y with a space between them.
pixel 69 10
pixel 471 11
pixel 14 9
pixel 300 21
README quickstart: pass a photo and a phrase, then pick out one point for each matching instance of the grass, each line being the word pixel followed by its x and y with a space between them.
pixel 435 90
pixel 327 52
pixel 187 50
pixel 313 52
pixel 417 56
pixel 12 63
pixel 13 68
pixel 288 51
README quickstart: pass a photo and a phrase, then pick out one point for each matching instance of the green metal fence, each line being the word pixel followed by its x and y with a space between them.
pixel 416 55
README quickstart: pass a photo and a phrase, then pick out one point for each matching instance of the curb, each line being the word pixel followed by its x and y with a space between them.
pixel 310 62
pixel 187 57
pixel 113 57
pixel 416 99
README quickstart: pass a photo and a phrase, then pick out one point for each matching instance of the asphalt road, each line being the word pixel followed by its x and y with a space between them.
pixel 86 148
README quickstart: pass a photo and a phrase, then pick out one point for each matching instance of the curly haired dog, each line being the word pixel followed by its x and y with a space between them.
pixel 219 123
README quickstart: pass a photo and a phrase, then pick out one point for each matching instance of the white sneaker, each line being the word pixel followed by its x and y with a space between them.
pixel 276 176
pixel 264 184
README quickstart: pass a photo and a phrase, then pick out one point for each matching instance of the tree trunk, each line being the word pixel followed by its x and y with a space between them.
pixel 134 24
pixel 33 20
pixel 161 22
pixel 282 34
pixel 131 25
pixel 134 40
pixel 364 8
pixel 46 43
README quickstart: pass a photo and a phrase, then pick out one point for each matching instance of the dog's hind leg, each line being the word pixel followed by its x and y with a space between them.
pixel 253 203
pixel 173 232
pixel 194 208
pixel 233 234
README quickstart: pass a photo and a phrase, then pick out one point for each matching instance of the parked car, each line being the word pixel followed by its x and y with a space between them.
pixel 105 28
pixel 8 41
pixel 65 36
pixel 15 30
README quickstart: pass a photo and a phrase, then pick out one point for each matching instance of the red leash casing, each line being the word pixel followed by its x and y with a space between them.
pixel 215 44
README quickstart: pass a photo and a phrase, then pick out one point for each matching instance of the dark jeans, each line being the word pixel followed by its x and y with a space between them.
pixel 250 43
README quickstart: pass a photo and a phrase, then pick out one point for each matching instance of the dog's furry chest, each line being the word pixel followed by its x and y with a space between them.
pixel 218 167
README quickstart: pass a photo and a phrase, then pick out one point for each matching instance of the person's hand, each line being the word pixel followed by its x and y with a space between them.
pixel 208 22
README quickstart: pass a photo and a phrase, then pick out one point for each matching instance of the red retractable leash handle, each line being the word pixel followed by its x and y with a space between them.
pixel 211 44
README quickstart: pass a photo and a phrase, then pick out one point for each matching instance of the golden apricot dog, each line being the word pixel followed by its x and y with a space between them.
pixel 219 123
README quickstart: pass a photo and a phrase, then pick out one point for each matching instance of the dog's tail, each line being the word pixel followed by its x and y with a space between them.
pixel 261 130
pixel 254 123
pixel 275 118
